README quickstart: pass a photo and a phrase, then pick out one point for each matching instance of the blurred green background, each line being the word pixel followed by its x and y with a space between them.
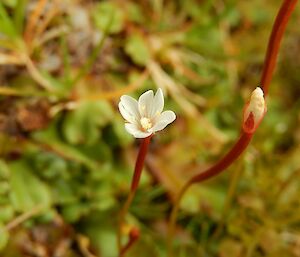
pixel 67 161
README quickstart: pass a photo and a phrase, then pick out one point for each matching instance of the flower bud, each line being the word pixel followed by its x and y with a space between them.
pixel 254 111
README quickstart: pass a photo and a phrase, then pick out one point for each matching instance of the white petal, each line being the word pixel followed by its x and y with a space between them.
pixel 126 115
pixel 130 105
pixel 146 103
pixel 131 128
pixel 135 131
pixel 164 119
pixel 158 103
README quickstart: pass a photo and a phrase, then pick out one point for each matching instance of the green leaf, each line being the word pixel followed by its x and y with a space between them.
pixel 4 170
pixel 211 197
pixel 60 88
pixel 4 187
pixel 10 3
pixel 81 126
pixel 108 16
pixel 4 236
pixel 105 203
pixel 135 13
pixel 63 193
pixel 6 24
pixel 100 151
pixel 73 212
pixel 103 236
pixel 51 139
pixel 51 165
pixel 137 49
pixel 6 213
pixel 198 37
pixel 19 14
pixel 27 191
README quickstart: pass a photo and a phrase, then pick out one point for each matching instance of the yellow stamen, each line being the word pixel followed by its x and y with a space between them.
pixel 146 123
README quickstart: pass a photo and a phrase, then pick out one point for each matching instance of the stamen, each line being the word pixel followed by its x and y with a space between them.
pixel 146 123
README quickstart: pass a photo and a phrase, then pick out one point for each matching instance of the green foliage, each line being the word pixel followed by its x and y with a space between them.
pixel 4 236
pixel 7 26
pixel 65 152
pixel 135 13
pixel 10 3
pixel 137 49
pixel 108 12
pixel 27 191
pixel 82 125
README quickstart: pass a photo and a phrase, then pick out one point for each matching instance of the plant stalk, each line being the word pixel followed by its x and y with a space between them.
pixel 220 166
pixel 134 184
pixel 276 36
pixel 275 39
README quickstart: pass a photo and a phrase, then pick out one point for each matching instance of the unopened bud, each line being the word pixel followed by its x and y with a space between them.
pixel 134 233
pixel 254 111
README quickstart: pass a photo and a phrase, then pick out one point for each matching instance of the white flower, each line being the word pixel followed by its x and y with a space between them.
pixel 145 117
pixel 254 110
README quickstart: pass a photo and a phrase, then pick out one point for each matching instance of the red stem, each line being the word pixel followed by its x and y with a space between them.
pixel 279 27
pixel 134 184
pixel 220 166
pixel 229 158
pixel 133 237
pixel 140 163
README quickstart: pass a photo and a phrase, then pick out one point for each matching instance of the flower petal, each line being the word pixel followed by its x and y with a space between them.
pixel 126 115
pixel 163 120
pixel 130 105
pixel 135 131
pixel 158 103
pixel 145 103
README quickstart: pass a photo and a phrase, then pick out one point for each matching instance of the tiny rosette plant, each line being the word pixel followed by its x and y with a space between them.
pixel 145 116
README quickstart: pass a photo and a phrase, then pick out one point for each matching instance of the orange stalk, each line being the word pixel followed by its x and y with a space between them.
pixel 33 20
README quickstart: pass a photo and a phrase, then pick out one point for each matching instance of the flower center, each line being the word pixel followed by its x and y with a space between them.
pixel 146 123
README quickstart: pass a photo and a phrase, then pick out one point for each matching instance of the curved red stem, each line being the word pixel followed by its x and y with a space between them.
pixel 133 237
pixel 229 158
pixel 279 27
